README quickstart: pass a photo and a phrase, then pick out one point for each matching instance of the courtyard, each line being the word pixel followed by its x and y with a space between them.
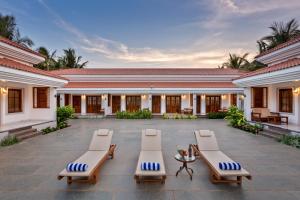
pixel 29 169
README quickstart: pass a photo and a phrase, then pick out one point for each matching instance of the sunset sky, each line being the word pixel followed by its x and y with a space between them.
pixel 150 33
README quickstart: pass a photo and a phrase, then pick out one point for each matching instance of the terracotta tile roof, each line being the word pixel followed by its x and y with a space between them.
pixel 150 85
pixel 14 44
pixel 280 46
pixel 280 66
pixel 148 71
pixel 20 66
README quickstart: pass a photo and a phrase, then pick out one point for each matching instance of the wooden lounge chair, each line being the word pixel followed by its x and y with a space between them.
pixel 207 148
pixel 151 152
pixel 99 151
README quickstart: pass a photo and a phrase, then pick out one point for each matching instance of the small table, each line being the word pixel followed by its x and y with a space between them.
pixel 185 160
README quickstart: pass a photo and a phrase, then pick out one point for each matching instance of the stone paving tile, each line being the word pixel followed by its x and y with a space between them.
pixel 29 169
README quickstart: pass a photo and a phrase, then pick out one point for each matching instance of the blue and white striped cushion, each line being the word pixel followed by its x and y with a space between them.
pixel 150 166
pixel 77 167
pixel 230 166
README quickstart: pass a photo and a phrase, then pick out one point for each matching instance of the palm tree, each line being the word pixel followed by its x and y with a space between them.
pixel 70 59
pixel 9 30
pixel 236 62
pixel 50 63
pixel 281 33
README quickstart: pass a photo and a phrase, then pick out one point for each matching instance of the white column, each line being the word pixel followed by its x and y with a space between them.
pixel 203 104
pixel 225 101
pixel 247 103
pixel 194 104
pixel 71 100
pixel 163 104
pixel 123 103
pixel 83 104
pixel 272 99
pixel 150 102
pixel 62 99
pixel 104 103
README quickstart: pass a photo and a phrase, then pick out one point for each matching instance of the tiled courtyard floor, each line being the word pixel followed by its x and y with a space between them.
pixel 29 169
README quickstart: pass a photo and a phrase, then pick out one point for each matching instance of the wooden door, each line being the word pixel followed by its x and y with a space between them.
pixel 93 104
pixel 173 104
pixel 213 103
pixel 67 99
pixel 133 103
pixel 116 104
pixel 156 104
pixel 198 106
pixel 233 99
pixel 77 104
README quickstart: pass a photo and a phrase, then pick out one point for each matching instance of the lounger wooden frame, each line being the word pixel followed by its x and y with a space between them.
pixel 139 179
pixel 94 175
pixel 215 176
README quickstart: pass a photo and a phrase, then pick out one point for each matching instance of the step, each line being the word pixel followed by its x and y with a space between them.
pixel 23 132
pixel 20 129
pixel 270 135
pixel 27 136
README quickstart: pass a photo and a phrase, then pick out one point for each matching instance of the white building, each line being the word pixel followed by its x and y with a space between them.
pixel 169 90
pixel 28 95
pixel 275 88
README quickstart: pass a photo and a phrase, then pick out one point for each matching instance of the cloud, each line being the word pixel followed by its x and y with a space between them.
pixel 116 50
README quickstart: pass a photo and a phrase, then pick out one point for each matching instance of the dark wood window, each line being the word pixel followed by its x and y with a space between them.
pixel 156 104
pixel 133 103
pixel 41 97
pixel 93 104
pixel 14 100
pixel 213 103
pixel 286 100
pixel 233 99
pixel 173 104
pixel 259 97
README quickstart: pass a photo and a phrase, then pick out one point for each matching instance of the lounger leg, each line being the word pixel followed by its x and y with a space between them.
pixel 239 180
pixel 163 179
pixel 69 180
pixel 137 179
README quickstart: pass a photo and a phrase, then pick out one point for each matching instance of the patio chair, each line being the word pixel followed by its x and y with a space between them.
pixel 264 115
pixel 99 151
pixel 151 151
pixel 207 148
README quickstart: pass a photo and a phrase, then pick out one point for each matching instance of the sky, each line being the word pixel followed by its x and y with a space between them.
pixel 150 33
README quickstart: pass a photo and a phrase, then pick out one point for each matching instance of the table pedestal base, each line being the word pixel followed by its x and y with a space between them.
pixel 187 169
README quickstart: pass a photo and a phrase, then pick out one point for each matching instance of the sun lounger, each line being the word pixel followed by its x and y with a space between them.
pixel 151 152
pixel 99 151
pixel 207 148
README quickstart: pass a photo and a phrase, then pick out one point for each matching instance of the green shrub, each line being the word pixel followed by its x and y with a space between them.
pixel 49 130
pixel 178 116
pixel 236 118
pixel 141 114
pixel 291 140
pixel 216 115
pixel 63 114
pixel 9 140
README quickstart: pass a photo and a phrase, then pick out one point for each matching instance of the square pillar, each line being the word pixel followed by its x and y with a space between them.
pixel 203 104
pixel 83 104
pixel 163 104
pixel 104 103
pixel 123 102
pixel 194 104
pixel 247 103
pixel 145 101
pixel 62 99
pixel 150 102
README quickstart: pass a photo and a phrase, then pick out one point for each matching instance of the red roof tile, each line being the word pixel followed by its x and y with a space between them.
pixel 19 66
pixel 280 66
pixel 150 85
pixel 148 71
pixel 280 46
pixel 14 44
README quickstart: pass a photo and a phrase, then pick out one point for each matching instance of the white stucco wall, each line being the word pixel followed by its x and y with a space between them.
pixel 225 101
pixel 144 101
pixel 247 103
pixel 123 103
pixel 28 112
pixel 163 104
pixel 185 101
